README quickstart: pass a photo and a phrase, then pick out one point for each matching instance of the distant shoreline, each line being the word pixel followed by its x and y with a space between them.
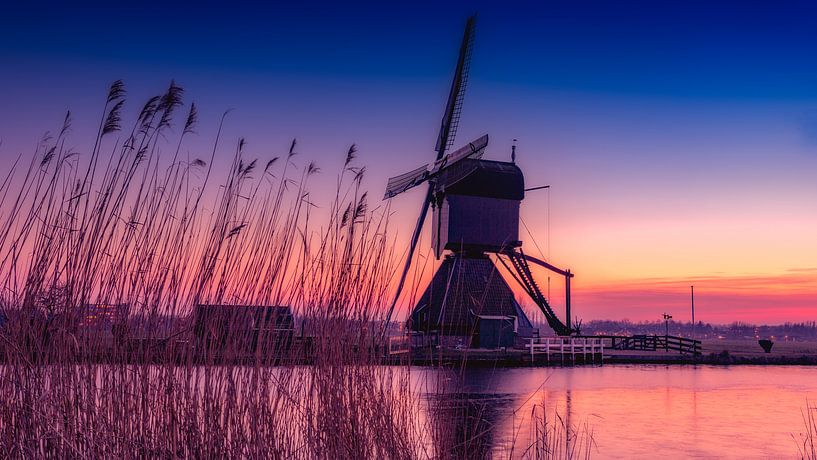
pixel 716 360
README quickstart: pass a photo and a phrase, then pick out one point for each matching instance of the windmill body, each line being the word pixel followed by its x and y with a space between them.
pixel 468 303
pixel 476 207
pixel 475 216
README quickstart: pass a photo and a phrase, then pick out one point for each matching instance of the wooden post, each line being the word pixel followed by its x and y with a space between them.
pixel 531 350
pixel 598 349
pixel 593 349
pixel 547 350
pixel 562 350
pixel 692 294
pixel 583 349
pixel 601 351
pixel 567 300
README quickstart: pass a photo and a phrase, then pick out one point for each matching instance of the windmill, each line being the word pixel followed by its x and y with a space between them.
pixel 475 214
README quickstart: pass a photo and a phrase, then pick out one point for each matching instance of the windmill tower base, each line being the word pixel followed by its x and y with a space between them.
pixel 469 305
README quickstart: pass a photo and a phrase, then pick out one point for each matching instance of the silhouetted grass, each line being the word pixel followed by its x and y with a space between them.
pixel 557 439
pixel 123 225
pixel 806 444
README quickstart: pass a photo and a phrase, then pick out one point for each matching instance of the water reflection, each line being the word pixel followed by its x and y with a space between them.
pixel 632 411
pixel 477 413
pixel 466 423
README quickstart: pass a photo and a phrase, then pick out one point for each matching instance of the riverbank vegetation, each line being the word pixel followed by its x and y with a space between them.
pixel 140 226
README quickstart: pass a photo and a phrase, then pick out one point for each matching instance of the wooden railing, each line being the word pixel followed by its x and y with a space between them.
pixel 567 348
pixel 654 343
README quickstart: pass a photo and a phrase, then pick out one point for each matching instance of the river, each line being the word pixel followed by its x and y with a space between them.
pixel 628 411
pixel 648 411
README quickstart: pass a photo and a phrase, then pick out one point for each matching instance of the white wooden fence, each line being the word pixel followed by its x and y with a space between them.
pixel 567 349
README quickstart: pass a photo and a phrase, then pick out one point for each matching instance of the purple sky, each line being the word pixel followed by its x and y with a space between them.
pixel 680 141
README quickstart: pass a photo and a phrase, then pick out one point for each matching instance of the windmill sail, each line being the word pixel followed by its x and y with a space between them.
pixel 473 150
pixel 399 184
pixel 453 110
pixel 448 129
pixel 403 182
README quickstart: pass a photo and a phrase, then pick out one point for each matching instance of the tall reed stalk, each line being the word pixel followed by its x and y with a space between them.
pixel 135 222
pixel 808 439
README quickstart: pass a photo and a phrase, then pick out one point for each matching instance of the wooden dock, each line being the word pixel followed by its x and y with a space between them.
pixel 537 351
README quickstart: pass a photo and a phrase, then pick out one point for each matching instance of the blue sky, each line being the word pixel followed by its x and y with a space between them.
pixel 695 49
pixel 680 137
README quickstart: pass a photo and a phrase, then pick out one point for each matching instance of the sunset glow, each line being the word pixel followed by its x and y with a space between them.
pixel 408 230
pixel 686 158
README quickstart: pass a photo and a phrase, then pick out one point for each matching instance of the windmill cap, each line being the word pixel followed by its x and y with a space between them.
pixel 484 178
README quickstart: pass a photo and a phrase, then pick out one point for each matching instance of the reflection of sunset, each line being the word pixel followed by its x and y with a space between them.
pixel 658 411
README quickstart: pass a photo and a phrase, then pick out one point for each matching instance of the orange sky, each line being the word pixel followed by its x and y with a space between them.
pixel 747 265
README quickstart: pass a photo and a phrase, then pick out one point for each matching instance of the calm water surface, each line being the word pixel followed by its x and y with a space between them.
pixel 646 411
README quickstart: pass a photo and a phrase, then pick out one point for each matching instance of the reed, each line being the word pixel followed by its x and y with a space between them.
pixel 557 439
pixel 134 222
pixel 806 443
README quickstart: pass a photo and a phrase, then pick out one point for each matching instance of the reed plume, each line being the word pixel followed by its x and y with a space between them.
pixel 126 225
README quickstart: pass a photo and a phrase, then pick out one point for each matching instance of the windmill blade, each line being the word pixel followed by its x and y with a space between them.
pixel 445 138
pixel 473 149
pixel 403 182
pixel 415 237
pixel 453 109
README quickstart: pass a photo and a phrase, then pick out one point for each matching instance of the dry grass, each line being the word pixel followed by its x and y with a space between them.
pixel 135 221
pixel 806 443
pixel 559 439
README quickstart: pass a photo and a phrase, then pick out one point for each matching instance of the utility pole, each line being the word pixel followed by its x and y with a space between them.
pixel 692 294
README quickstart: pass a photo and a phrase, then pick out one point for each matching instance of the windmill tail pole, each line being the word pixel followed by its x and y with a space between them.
pixel 567 302
pixel 520 259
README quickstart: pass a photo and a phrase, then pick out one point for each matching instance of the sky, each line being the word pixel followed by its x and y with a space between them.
pixel 679 138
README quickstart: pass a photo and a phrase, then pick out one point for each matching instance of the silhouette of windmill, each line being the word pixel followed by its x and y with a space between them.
pixel 475 214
